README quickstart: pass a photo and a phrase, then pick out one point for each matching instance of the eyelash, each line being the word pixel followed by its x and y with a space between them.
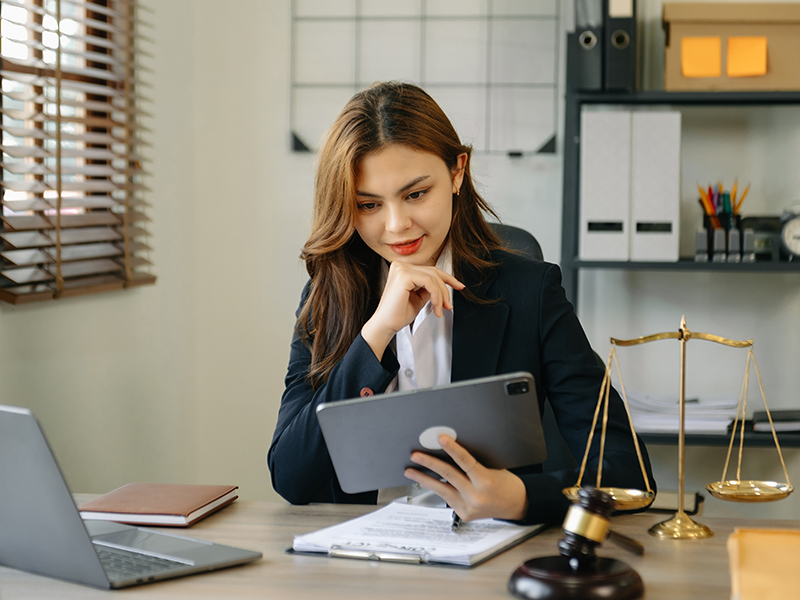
pixel 417 195
pixel 420 192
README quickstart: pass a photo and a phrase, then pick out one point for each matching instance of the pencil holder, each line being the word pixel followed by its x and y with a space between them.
pixel 726 221
pixel 709 227
pixel 729 221
pixel 722 246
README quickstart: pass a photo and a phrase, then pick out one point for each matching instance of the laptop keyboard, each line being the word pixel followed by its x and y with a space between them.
pixel 120 564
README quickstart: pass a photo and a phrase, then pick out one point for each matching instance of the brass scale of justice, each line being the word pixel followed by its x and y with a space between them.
pixel 680 526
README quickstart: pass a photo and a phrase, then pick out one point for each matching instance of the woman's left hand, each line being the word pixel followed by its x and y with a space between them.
pixel 472 491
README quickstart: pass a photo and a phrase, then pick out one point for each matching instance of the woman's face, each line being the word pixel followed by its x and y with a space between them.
pixel 405 203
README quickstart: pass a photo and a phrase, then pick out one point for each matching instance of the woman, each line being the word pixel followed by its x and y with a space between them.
pixel 399 233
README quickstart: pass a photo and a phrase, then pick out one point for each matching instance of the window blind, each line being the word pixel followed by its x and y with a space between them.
pixel 74 215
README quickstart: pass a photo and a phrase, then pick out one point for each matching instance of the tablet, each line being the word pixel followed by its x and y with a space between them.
pixel 370 440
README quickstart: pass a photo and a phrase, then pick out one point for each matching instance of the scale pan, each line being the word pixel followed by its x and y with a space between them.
pixel 624 499
pixel 734 490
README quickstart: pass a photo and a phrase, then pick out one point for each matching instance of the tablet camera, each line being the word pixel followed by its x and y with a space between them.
pixel 517 388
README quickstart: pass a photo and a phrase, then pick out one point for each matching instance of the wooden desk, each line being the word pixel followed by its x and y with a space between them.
pixel 669 569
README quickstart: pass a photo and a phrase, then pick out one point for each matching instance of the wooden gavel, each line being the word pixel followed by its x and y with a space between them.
pixel 578 573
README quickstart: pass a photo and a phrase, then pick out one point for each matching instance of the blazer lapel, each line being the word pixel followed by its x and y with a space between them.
pixel 478 332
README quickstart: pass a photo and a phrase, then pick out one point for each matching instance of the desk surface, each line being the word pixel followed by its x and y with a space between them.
pixel 670 569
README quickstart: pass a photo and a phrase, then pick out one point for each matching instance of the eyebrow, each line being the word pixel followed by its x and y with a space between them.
pixel 405 188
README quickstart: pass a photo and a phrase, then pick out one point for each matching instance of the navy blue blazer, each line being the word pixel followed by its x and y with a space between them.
pixel 530 327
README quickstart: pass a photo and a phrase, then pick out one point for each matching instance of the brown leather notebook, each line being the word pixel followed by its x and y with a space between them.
pixel 162 504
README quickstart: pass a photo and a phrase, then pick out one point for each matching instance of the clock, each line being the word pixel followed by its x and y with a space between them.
pixel 790 232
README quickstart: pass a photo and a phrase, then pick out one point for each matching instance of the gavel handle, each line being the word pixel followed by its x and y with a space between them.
pixel 626 542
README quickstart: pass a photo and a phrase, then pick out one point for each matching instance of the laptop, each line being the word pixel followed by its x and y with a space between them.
pixel 42 532
pixel 370 440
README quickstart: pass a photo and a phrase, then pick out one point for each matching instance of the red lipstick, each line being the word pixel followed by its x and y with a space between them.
pixel 407 248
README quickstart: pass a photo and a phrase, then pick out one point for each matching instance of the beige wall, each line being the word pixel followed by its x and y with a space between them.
pixel 223 168
pixel 181 381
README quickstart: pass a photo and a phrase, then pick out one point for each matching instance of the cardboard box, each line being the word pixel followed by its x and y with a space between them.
pixel 715 46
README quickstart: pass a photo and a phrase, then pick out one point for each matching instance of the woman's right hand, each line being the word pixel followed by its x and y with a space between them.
pixel 408 288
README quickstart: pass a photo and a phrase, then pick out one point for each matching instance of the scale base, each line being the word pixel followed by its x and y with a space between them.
pixel 680 527
pixel 553 578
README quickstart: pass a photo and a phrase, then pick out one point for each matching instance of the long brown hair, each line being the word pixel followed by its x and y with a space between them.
pixel 345 273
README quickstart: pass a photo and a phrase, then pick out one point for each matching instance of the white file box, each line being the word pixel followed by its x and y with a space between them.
pixel 605 185
pixel 655 185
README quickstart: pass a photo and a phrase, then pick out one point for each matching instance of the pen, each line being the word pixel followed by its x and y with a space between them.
pixel 456 522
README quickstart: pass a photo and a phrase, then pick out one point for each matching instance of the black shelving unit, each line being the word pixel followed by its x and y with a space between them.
pixel 751 439
pixel 686 264
pixel 570 223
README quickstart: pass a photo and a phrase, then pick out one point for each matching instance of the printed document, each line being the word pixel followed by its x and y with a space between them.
pixel 410 533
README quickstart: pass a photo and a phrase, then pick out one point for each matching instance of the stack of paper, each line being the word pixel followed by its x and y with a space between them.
pixel 782 420
pixel 660 413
